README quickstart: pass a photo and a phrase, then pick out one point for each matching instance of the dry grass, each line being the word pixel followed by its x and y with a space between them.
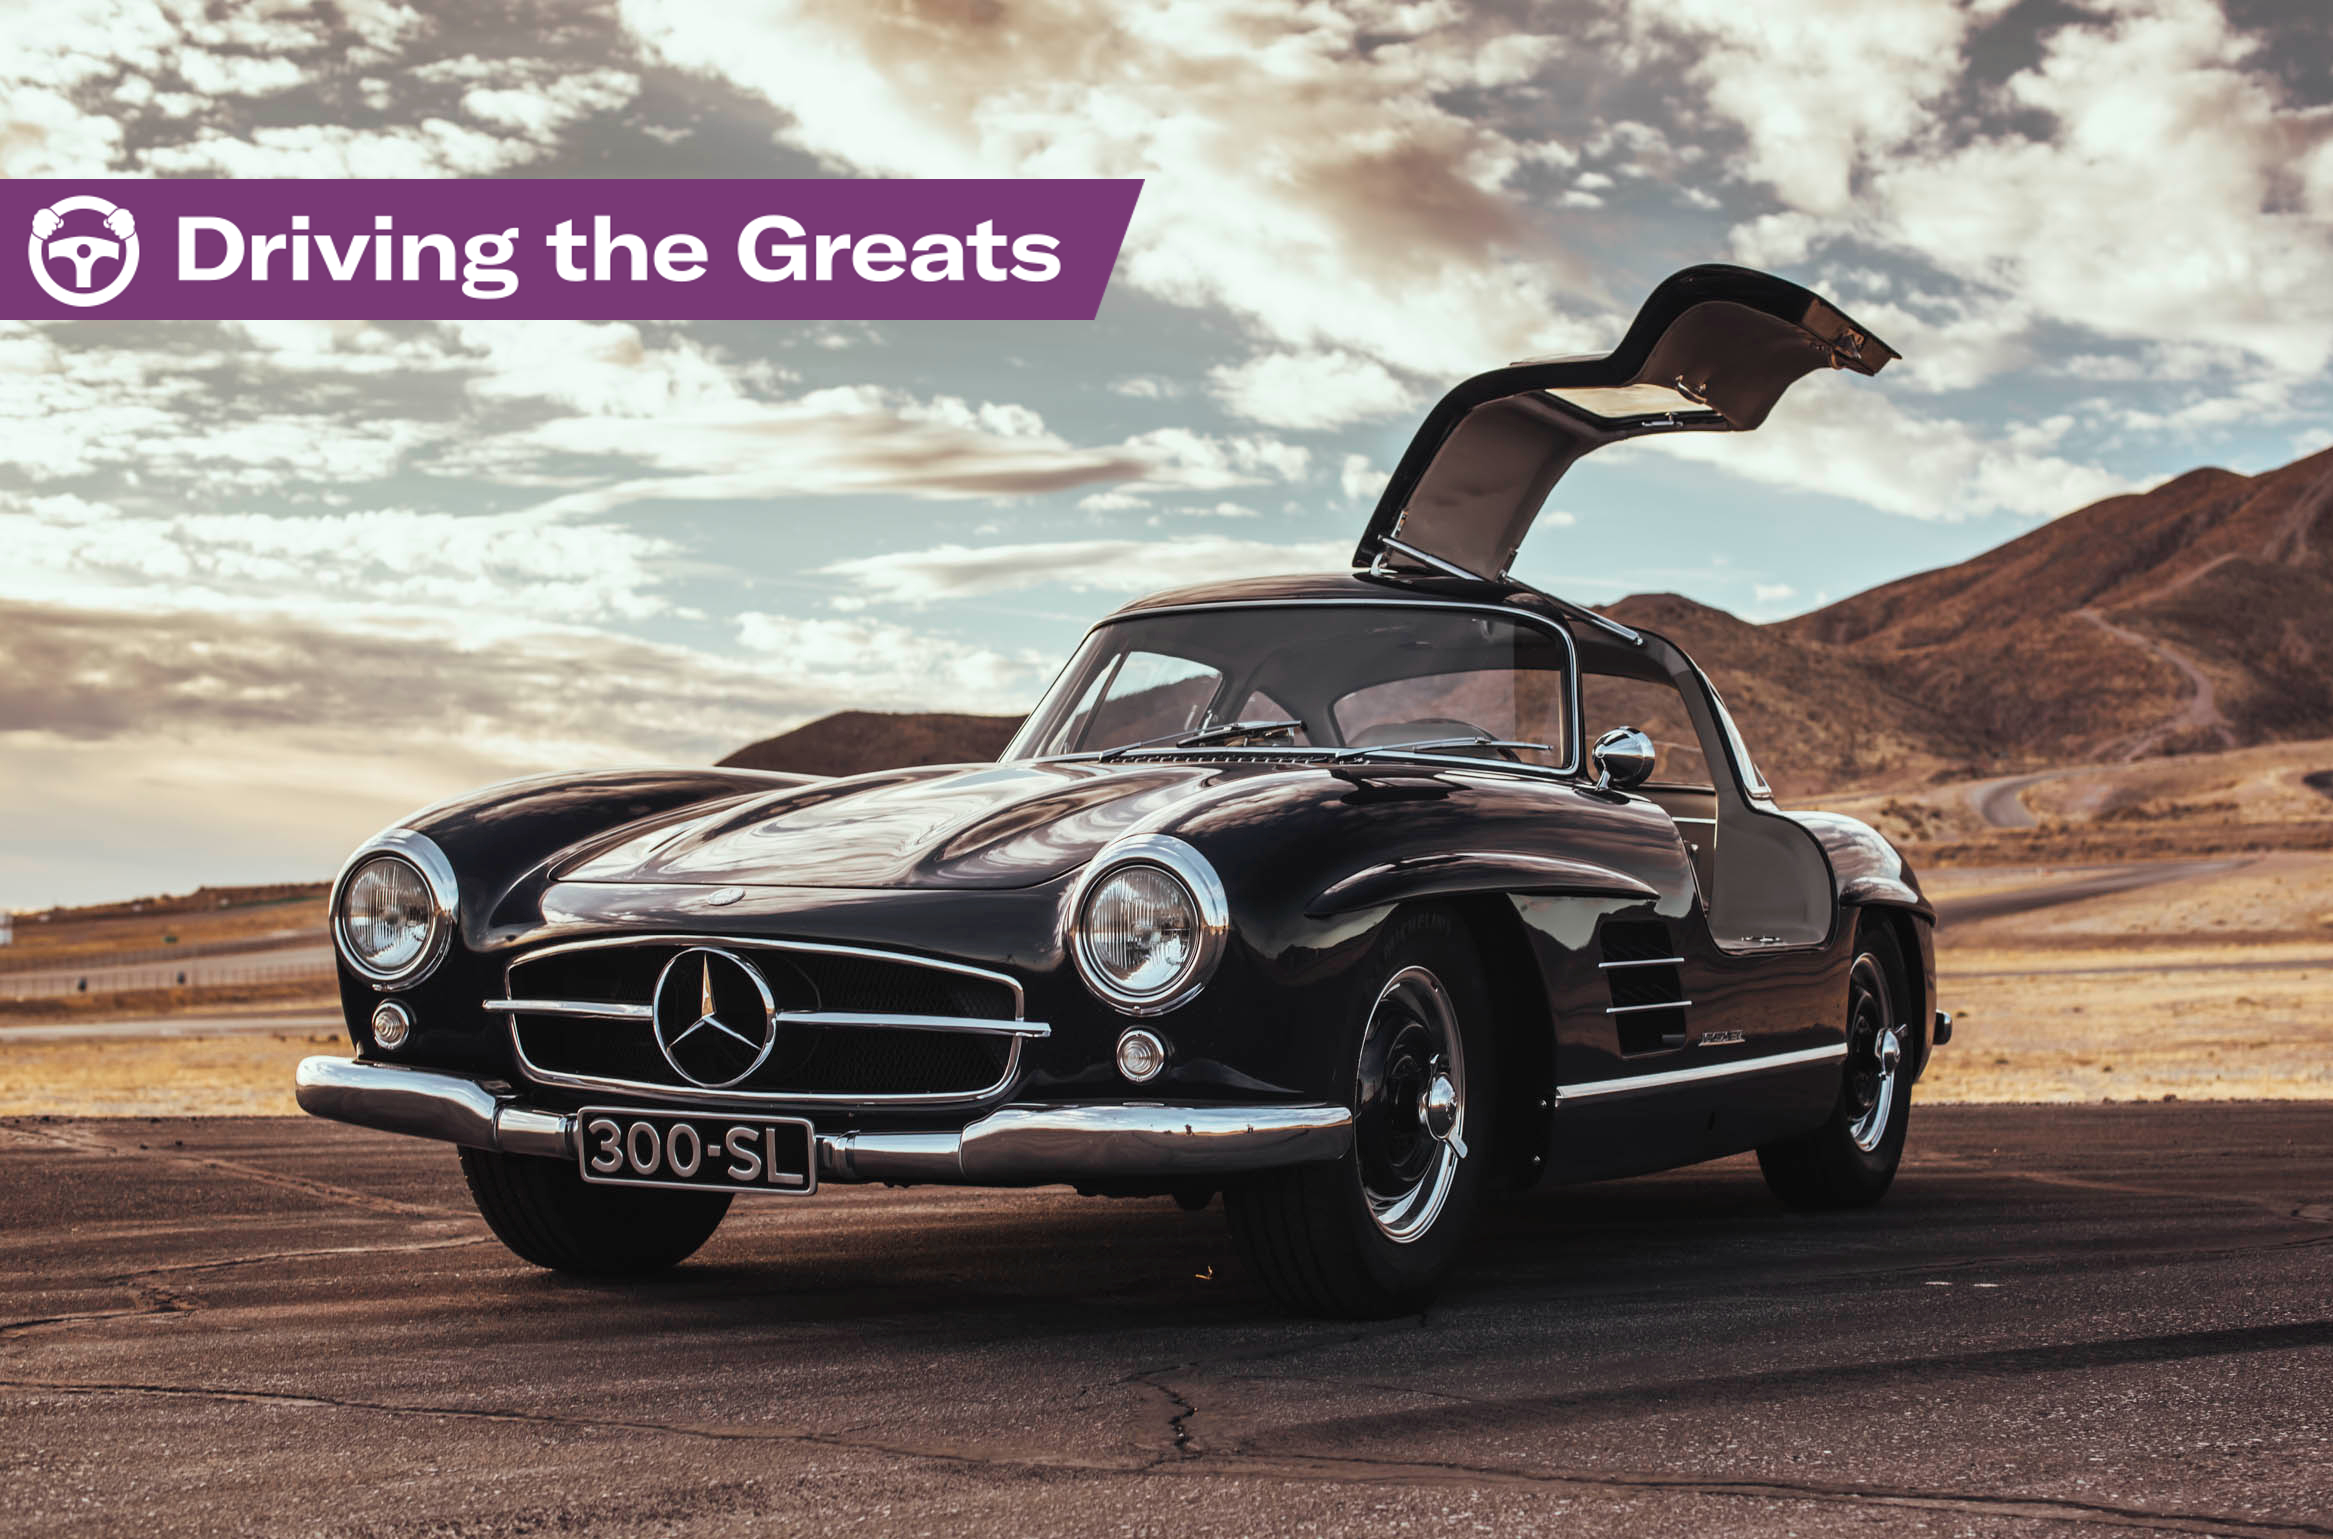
pixel 245 1075
pixel 137 1004
pixel 68 940
pixel 2218 988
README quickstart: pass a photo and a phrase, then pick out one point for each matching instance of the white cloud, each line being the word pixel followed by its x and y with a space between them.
pixel 459 570
pixel 1816 88
pixel 1305 169
pixel 1310 391
pixel 904 668
pixel 1359 480
pixel 2155 184
pixel 1119 566
pixel 1841 438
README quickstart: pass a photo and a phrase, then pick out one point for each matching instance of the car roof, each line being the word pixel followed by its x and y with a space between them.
pixel 1357 587
pixel 1598 651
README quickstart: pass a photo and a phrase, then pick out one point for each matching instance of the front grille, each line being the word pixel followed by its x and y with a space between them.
pixel 836 980
pixel 925 1031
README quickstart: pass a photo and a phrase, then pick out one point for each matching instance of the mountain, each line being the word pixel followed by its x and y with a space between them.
pixel 853 742
pixel 2197 615
pixel 1817 716
pixel 2193 616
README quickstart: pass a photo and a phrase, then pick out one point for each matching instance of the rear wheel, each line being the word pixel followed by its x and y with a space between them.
pixel 549 1215
pixel 1850 1161
pixel 1372 1233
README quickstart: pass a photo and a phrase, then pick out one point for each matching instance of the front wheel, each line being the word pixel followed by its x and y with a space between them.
pixel 1850 1161
pixel 1372 1233
pixel 548 1214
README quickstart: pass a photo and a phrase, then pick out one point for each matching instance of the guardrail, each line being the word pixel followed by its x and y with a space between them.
pixel 16 959
pixel 120 980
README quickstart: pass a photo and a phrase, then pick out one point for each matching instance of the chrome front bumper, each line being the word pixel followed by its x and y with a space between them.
pixel 1012 1146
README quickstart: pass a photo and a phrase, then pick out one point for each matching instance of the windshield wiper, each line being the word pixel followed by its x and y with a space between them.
pixel 1199 739
pixel 1434 745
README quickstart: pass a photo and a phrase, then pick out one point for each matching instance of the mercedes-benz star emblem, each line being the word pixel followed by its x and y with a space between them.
pixel 715 1018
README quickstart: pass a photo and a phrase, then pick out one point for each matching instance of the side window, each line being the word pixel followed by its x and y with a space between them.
pixel 1150 695
pixel 1608 701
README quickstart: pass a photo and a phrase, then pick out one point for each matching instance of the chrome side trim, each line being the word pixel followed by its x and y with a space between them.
pixel 1665 1004
pixel 1606 967
pixel 1013 1146
pixel 1631 1084
pixel 595 1010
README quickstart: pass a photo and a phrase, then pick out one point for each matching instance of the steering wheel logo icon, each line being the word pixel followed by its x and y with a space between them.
pixel 83 252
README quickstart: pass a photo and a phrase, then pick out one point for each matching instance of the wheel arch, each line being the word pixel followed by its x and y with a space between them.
pixel 1914 985
pixel 1522 1026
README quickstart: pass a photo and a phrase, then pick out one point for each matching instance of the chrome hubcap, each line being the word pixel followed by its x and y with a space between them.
pixel 1409 1105
pixel 1875 1055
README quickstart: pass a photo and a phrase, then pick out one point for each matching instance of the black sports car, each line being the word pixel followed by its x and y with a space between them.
pixel 1352 897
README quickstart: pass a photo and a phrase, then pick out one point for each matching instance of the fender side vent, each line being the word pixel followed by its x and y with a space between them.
pixel 1641 968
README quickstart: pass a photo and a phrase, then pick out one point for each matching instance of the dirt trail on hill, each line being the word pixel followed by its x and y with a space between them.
pixel 2200 713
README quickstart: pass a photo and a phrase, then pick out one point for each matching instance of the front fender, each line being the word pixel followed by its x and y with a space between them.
pixel 1868 871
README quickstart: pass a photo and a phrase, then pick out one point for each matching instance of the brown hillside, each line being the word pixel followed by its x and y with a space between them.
pixel 2191 616
pixel 854 742
pixel 1816 716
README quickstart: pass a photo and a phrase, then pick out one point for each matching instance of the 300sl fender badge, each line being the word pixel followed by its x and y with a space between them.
pixel 1718 1039
pixel 716 1020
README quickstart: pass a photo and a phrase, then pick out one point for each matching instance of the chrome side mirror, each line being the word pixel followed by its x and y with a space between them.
pixel 1623 758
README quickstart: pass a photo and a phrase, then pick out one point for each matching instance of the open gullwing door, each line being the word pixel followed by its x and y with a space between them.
pixel 1711 351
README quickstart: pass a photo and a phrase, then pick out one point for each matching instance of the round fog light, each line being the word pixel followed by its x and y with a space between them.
pixel 1141 1055
pixel 392 1024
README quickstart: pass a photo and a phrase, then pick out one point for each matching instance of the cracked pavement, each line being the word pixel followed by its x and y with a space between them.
pixel 2076 1320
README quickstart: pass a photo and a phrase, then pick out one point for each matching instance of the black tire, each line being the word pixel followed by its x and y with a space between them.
pixel 1311 1232
pixel 549 1215
pixel 1845 1163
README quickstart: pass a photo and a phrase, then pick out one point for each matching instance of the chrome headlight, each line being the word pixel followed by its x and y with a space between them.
pixel 393 908
pixel 1148 923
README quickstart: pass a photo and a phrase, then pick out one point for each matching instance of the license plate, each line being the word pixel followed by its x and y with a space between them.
pixel 697 1151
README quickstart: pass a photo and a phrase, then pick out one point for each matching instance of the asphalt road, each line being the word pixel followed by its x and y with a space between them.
pixel 2064 1320
pixel 2001 801
pixel 2089 882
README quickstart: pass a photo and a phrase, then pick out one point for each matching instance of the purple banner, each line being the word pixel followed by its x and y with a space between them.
pixel 569 249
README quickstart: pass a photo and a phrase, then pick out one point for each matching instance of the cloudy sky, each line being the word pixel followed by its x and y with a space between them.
pixel 263 587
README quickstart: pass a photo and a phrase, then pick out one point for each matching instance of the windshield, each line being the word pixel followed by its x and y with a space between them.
pixel 1319 676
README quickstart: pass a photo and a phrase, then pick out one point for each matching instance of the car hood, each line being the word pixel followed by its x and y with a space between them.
pixel 990 825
